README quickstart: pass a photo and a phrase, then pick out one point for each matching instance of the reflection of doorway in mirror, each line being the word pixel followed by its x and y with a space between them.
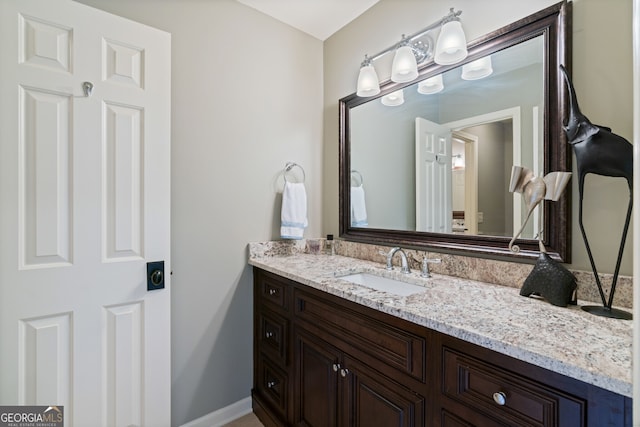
pixel 465 182
pixel 494 163
pixel 498 136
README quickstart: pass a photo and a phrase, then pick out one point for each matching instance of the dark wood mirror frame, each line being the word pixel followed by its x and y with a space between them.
pixel 554 23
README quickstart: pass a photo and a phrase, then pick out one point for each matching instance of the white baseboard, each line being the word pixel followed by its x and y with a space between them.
pixel 223 415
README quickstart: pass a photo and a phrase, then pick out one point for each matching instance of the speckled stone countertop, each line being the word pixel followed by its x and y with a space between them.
pixel 568 341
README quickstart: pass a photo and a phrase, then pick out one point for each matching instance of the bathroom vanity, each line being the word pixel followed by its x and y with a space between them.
pixel 328 352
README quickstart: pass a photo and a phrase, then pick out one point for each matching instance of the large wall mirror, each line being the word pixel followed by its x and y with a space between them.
pixel 456 195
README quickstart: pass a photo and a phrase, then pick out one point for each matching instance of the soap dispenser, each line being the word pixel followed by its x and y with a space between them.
pixel 330 248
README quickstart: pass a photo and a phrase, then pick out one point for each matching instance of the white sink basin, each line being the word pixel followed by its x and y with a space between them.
pixel 384 284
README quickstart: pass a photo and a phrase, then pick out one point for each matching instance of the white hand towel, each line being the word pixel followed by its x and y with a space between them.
pixel 358 207
pixel 294 211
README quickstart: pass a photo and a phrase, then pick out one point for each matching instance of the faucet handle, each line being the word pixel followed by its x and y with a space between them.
pixel 387 257
pixel 425 266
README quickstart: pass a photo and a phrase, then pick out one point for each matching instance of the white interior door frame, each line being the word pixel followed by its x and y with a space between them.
pixel 495 116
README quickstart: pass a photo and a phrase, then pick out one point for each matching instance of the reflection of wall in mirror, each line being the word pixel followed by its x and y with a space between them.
pixel 382 149
pixel 457 186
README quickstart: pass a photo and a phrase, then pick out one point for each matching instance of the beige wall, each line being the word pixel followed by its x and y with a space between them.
pixel 602 74
pixel 246 98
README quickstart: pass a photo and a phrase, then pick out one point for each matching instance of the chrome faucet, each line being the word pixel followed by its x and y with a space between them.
pixel 403 259
pixel 425 266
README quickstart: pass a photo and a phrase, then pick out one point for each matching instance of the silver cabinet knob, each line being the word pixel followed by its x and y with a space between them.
pixel 500 398
pixel 272 384
pixel 344 372
pixel 273 292
pixel 336 366
pixel 269 334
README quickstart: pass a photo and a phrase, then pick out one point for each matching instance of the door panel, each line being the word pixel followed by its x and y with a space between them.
pixel 123 370
pixel 317 387
pixel 123 179
pixel 84 205
pixel 44 171
pixel 374 400
pixel 44 346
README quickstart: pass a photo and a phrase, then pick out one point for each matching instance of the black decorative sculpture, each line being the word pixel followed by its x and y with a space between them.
pixel 601 152
pixel 548 279
pixel 551 281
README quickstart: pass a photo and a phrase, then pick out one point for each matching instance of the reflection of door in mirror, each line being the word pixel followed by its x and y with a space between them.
pixel 433 177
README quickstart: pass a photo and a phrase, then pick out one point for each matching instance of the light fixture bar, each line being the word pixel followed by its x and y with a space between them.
pixel 452 15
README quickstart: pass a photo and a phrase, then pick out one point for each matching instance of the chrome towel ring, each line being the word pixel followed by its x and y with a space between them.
pixel 290 165
pixel 357 177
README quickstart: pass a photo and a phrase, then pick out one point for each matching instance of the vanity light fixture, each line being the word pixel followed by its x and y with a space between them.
pixel 393 99
pixel 411 51
pixel 368 83
pixel 451 47
pixel 478 69
pixel 405 65
pixel 431 85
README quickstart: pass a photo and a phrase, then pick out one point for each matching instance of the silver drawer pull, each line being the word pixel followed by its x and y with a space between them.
pixel 500 398
pixel 273 292
pixel 269 334
pixel 344 372
pixel 272 384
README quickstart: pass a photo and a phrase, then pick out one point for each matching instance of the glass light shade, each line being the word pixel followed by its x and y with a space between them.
pixel 451 46
pixel 405 67
pixel 431 85
pixel 393 99
pixel 368 83
pixel 478 69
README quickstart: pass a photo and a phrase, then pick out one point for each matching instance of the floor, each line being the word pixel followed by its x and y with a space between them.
pixel 249 420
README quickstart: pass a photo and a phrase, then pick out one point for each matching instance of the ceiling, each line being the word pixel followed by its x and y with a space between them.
pixel 319 18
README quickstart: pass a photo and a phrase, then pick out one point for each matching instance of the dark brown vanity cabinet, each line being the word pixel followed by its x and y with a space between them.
pixel 322 361
pixel 336 389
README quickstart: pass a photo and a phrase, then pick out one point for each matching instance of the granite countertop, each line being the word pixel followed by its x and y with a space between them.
pixel 569 341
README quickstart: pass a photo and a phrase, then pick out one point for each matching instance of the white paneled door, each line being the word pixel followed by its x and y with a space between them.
pixel 84 206
pixel 433 177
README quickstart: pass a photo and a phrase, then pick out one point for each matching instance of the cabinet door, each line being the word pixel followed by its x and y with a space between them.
pixel 373 400
pixel 316 382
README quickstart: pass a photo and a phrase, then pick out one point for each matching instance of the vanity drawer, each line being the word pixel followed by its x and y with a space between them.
pixel 505 395
pixel 273 290
pixel 381 341
pixel 272 334
pixel 272 385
